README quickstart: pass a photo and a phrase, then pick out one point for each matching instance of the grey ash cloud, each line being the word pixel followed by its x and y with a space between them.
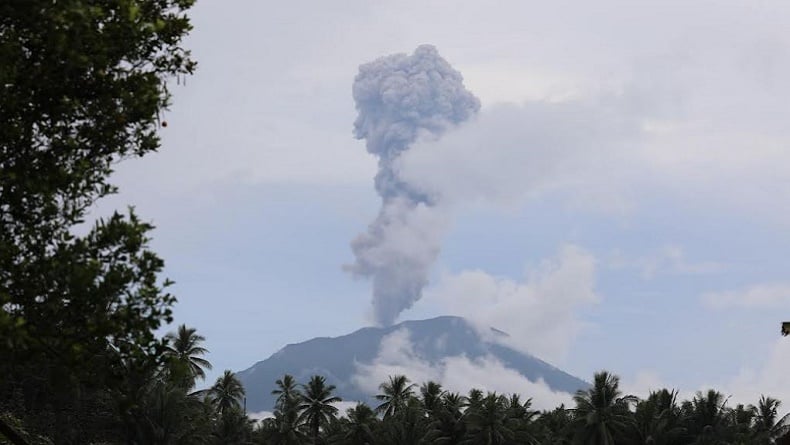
pixel 402 99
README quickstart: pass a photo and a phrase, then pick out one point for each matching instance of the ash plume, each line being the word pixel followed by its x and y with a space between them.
pixel 400 99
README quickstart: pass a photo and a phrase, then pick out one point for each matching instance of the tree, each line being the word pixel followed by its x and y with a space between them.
pixel 521 417
pixel 288 395
pixel 394 395
pixel 602 413
pixel 282 429
pixel 555 427
pixel 474 399
pixel 226 393
pixel 82 86
pixel 448 424
pixel 184 350
pixel 232 427
pixel 406 425
pixel 705 417
pixel 657 419
pixel 431 395
pixel 360 422
pixel 316 407
pixel 768 426
pixel 488 422
pixel 166 414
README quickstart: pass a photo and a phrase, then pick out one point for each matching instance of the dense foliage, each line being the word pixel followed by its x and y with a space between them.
pixel 408 414
pixel 159 407
pixel 82 86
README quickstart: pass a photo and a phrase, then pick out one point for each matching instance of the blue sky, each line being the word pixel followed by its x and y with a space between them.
pixel 626 177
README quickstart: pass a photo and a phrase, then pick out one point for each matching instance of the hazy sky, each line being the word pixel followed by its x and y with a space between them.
pixel 621 200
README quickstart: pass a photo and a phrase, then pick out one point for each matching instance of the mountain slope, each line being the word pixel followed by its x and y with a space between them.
pixel 339 358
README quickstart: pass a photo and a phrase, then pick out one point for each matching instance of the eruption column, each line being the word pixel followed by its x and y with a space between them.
pixel 401 98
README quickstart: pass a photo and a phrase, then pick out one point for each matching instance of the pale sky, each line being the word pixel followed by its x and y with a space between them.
pixel 621 200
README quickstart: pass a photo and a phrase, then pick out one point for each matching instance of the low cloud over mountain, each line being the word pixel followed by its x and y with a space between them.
pixel 449 350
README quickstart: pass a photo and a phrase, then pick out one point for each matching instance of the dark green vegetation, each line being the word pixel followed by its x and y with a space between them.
pixel 82 87
pixel 601 415
pixel 152 403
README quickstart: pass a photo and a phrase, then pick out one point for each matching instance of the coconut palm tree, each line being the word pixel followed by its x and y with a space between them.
pixel 232 427
pixel 430 395
pixel 522 418
pixel 489 423
pixel 555 427
pixel 705 417
pixel 167 415
pixel 768 426
pixel 360 421
pixel 474 399
pixel 282 429
pixel 316 407
pixel 407 425
pixel 395 395
pixel 287 392
pixel 447 425
pixel 740 421
pixel 226 393
pixel 454 402
pixel 657 419
pixel 602 413
pixel 185 352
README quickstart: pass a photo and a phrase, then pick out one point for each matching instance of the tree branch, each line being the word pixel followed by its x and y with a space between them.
pixel 11 434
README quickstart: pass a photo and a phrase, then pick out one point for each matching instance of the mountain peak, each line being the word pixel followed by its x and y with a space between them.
pixel 421 344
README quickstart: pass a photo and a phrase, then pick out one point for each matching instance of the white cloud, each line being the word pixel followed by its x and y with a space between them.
pixel 343 406
pixel 458 373
pixel 541 314
pixel 668 260
pixel 642 383
pixel 763 295
pixel 260 415
pixel 768 378
pixel 511 154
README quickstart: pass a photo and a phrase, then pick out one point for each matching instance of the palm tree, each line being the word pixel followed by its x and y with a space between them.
pixel 431 395
pixel 522 416
pixel 447 424
pixel 768 427
pixel 233 426
pixel 167 415
pixel 316 407
pixel 657 419
pixel 705 416
pixel 407 425
pixel 226 393
pixel 395 395
pixel 555 427
pixel 287 392
pixel 474 399
pixel 454 402
pixel 282 429
pixel 602 414
pixel 359 425
pixel 739 424
pixel 489 424
pixel 184 350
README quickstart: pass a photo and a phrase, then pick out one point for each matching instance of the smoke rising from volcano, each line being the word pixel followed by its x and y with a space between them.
pixel 400 99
